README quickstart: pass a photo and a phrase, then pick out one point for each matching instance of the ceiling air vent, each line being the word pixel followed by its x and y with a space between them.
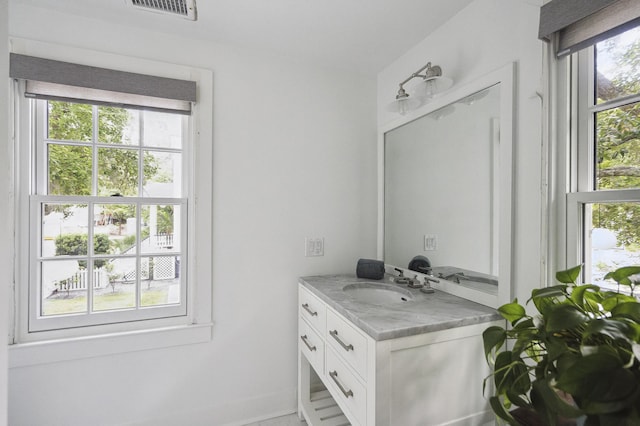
pixel 183 8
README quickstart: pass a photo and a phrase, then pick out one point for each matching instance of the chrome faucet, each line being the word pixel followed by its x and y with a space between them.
pixel 428 278
pixel 455 277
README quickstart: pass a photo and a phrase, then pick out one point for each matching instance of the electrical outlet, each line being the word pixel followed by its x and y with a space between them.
pixel 430 242
pixel 313 247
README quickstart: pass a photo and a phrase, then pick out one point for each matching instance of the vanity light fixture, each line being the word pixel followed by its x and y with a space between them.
pixel 432 83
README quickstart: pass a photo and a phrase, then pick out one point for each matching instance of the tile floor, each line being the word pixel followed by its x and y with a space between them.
pixel 290 420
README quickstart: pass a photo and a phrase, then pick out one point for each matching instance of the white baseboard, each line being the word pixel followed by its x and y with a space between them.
pixel 235 413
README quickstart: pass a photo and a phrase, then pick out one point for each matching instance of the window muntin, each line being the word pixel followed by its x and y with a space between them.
pixel 607 161
pixel 109 195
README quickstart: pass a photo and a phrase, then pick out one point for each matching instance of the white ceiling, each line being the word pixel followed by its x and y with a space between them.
pixel 361 35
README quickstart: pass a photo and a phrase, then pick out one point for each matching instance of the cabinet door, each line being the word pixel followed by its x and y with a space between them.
pixel 311 345
pixel 312 309
pixel 346 388
pixel 348 342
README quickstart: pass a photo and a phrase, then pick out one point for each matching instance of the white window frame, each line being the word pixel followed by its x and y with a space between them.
pixel 577 143
pixel 196 326
pixel 38 116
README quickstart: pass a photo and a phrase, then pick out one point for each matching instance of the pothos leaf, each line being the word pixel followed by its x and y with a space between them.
pixel 564 317
pixel 613 299
pixel 630 310
pixel 569 276
pixel 500 411
pixel 493 338
pixel 608 327
pixel 511 374
pixel 512 312
pixel 578 294
pixel 621 275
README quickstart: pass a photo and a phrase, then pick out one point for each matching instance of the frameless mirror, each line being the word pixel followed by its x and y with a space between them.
pixel 446 190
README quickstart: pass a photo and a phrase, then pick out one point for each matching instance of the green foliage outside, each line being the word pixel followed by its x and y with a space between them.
pixel 165 219
pixel 70 166
pixel 618 147
pixel 77 245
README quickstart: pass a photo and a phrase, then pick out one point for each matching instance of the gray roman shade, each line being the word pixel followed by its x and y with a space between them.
pixel 49 79
pixel 581 23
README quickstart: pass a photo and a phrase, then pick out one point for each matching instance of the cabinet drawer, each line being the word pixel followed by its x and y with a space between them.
pixel 349 343
pixel 312 309
pixel 311 345
pixel 346 388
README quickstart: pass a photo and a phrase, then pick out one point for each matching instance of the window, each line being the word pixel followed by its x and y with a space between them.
pixel 603 205
pixel 109 207
pixel 113 254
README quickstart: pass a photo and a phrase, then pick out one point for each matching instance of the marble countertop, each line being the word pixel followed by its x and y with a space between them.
pixel 422 314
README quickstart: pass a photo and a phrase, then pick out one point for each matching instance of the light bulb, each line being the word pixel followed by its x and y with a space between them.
pixel 403 106
pixel 429 88
pixel 403 103
pixel 433 85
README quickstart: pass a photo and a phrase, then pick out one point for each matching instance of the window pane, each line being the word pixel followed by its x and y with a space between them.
pixel 162 129
pixel 618 148
pixel 109 254
pixel 114 228
pixel 162 174
pixel 612 240
pixel 160 277
pixel 69 170
pixel 117 172
pixel 64 230
pixel 617 65
pixel 118 125
pixel 160 229
pixel 116 284
pixel 70 121
pixel 63 288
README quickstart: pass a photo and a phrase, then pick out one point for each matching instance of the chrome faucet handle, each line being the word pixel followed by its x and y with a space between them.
pixel 400 271
pixel 428 278
pixel 415 283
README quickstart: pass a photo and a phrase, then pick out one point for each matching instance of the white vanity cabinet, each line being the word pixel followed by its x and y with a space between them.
pixel 347 377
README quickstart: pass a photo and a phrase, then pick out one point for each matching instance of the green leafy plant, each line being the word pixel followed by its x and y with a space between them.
pixel 577 359
pixel 76 245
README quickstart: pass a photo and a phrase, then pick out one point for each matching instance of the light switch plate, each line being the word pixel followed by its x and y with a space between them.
pixel 430 242
pixel 313 246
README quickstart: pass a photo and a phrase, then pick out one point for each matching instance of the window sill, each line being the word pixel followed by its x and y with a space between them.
pixel 51 351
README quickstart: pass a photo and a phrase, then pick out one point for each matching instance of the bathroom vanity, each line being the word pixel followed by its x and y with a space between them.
pixel 375 353
pixel 378 353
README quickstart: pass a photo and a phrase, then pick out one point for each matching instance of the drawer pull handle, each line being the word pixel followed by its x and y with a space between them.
pixel 306 342
pixel 306 308
pixel 334 334
pixel 334 376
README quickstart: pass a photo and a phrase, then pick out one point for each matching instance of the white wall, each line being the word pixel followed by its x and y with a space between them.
pixel 5 227
pixel 482 38
pixel 294 156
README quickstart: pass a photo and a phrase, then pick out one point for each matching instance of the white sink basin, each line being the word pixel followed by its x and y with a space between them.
pixel 377 293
